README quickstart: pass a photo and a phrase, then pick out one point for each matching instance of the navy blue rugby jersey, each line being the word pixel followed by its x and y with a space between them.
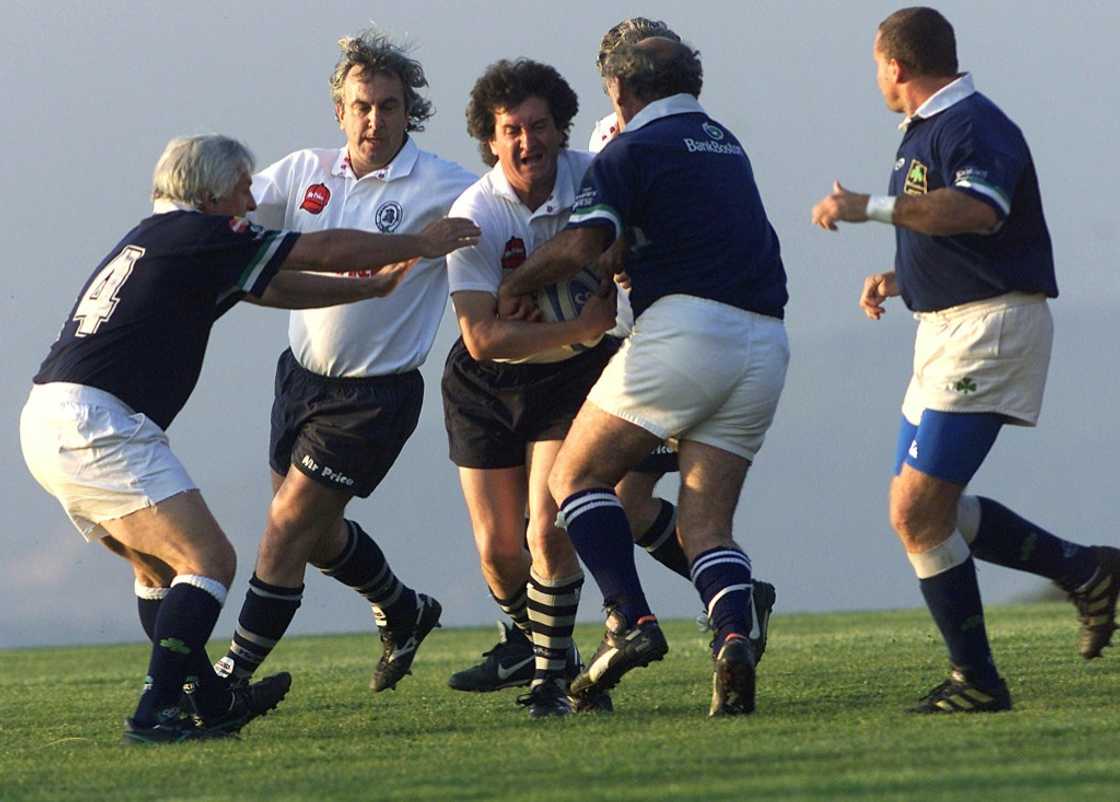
pixel 141 323
pixel 968 144
pixel 682 186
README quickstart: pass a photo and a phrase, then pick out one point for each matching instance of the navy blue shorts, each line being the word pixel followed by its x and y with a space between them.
pixel 343 433
pixel 947 445
pixel 493 410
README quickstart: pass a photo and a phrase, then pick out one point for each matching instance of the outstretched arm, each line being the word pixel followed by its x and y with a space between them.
pixel 342 250
pixel 941 213
pixel 297 290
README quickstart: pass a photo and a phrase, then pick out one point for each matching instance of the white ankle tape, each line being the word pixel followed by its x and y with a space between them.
pixel 211 586
pixel 941 558
pixel 968 517
pixel 149 593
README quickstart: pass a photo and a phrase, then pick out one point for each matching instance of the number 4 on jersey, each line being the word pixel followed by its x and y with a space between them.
pixel 101 299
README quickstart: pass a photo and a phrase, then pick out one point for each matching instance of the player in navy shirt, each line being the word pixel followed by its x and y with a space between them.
pixel 974 262
pixel 124 364
pixel 705 364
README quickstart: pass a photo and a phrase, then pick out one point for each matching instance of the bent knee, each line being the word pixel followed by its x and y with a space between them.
pixel 500 554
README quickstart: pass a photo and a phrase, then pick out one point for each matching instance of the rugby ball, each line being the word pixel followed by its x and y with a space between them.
pixel 564 300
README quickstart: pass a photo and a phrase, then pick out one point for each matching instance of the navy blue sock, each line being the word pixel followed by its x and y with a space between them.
pixel 953 599
pixel 186 618
pixel 211 693
pixel 1006 539
pixel 264 618
pixel 362 566
pixel 722 576
pixel 600 533
pixel 660 540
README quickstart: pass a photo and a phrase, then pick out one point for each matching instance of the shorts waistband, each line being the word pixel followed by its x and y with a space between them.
pixel 79 393
pixel 983 306
pixel 529 371
pixel 351 381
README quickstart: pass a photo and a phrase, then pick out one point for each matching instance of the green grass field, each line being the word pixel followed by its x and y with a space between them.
pixel 830 725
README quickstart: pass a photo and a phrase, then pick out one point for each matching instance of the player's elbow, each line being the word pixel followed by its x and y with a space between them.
pixel 479 344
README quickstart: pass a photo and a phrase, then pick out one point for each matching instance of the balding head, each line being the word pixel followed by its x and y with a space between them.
pixel 656 67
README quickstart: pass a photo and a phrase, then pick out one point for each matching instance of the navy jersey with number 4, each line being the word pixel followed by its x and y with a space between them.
pixel 142 321
pixel 960 139
pixel 683 186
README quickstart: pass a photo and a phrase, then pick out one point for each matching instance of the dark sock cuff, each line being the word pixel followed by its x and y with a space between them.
pixel 295 594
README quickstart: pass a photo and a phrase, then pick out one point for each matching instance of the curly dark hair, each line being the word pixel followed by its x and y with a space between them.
pixel 373 51
pixel 506 85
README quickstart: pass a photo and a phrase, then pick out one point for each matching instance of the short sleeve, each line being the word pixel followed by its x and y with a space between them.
pixel 479 267
pixel 242 257
pixel 606 196
pixel 984 159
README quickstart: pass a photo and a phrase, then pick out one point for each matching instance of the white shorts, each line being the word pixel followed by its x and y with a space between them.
pixel 96 456
pixel 984 356
pixel 698 370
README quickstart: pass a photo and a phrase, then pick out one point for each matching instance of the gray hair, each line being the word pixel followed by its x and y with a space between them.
pixel 372 51
pixel 629 32
pixel 653 72
pixel 200 169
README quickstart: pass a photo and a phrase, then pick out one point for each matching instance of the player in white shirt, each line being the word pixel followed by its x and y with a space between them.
pixel 348 392
pixel 511 387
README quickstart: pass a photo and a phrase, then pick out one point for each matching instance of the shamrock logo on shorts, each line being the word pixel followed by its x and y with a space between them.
pixel 965 386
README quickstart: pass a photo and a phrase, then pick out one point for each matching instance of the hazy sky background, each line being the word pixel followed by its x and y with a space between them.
pixel 92 91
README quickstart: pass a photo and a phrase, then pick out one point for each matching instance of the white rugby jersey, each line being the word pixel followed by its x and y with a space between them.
pixel 315 189
pixel 510 232
pixel 605 130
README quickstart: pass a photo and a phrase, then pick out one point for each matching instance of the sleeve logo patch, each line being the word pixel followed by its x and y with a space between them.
pixel 917 182
pixel 316 198
pixel 388 217
pixel 916 178
pixel 513 254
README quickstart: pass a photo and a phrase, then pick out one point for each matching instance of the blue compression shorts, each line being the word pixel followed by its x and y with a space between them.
pixel 947 445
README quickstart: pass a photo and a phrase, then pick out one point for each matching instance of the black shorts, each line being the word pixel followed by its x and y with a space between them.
pixel 493 410
pixel 343 433
pixel 662 459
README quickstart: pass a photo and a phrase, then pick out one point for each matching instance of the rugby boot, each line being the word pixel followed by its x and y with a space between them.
pixel 958 694
pixel 546 699
pixel 624 647
pixel 733 681
pixel 1096 603
pixel 171 728
pixel 763 597
pixel 507 664
pixel 399 644
pixel 247 702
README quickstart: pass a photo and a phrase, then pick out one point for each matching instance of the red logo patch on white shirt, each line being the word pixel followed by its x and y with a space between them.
pixel 316 198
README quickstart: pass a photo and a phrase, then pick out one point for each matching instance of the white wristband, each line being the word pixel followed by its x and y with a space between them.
pixel 881 208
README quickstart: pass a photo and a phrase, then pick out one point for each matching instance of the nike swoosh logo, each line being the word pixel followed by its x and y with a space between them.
pixel 505 673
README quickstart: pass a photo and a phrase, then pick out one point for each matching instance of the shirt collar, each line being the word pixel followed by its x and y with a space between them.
pixel 165 205
pixel 682 103
pixel 399 167
pixel 563 195
pixel 943 98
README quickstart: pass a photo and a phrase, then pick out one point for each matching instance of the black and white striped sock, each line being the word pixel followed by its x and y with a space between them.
pixel 517 608
pixel 362 566
pixel 552 610
pixel 264 618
